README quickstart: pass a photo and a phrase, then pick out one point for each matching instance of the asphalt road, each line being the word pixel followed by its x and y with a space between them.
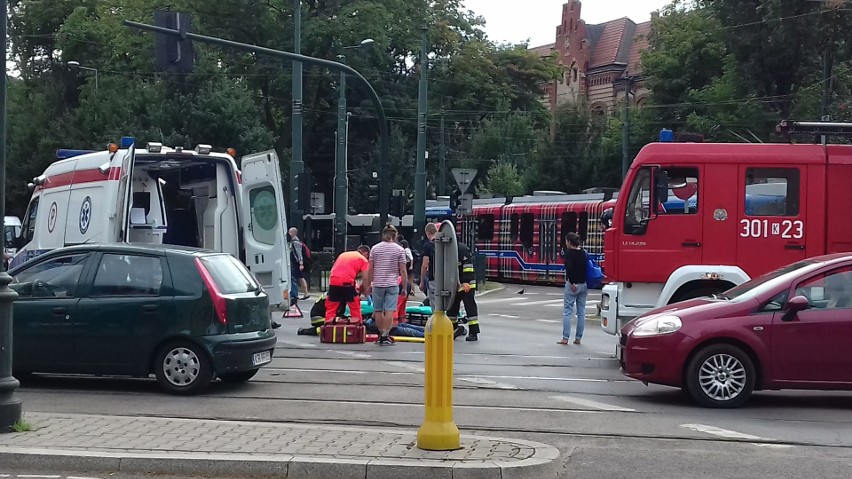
pixel 515 382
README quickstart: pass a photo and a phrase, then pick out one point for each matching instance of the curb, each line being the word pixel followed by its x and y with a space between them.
pixel 543 464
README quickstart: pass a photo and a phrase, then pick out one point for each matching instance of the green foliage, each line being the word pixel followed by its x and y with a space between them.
pixel 22 426
pixel 504 179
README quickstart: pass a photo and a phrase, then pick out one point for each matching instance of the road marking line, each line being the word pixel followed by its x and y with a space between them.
pixel 592 404
pixel 721 432
pixel 540 378
pixel 487 382
pixel 80 477
pixel 298 345
pixel 496 300
pixel 300 370
pixel 772 446
pixel 38 476
pixel 350 353
pixel 549 320
pixel 546 302
pixel 511 316
pixel 410 367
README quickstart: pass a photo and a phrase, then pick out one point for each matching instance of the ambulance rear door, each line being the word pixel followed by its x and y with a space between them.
pixel 265 224
pixel 125 190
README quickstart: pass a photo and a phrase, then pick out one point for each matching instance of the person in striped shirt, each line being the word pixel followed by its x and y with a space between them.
pixel 387 271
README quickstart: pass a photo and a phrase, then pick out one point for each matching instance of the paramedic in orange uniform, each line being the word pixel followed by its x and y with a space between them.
pixel 348 267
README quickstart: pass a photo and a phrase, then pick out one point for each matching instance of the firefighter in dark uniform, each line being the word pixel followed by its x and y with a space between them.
pixel 466 293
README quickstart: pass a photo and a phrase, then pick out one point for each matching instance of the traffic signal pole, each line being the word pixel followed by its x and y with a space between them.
pixel 384 173
pixel 420 172
pixel 297 164
pixel 341 192
pixel 10 405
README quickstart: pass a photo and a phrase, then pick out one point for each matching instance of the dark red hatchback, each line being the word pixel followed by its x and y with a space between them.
pixel 789 329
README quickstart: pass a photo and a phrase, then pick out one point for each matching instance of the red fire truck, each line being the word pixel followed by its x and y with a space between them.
pixel 695 219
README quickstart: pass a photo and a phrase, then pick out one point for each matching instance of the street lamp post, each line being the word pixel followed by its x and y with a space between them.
pixel 341 180
pixel 10 405
pixel 75 64
pixel 297 164
pixel 420 170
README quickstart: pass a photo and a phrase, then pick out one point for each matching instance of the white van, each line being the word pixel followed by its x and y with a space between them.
pixel 163 195
pixel 11 230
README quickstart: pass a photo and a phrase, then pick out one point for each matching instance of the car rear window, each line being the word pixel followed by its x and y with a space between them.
pixel 230 276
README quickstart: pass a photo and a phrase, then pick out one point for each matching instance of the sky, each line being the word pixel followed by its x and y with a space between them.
pixel 516 21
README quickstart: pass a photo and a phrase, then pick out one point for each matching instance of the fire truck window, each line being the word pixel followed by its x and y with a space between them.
pixel 584 225
pixel 638 204
pixel 527 227
pixel 485 228
pixel 772 192
pixel 682 192
pixel 514 226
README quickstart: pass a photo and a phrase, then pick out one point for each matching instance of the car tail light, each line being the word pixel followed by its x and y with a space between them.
pixel 218 299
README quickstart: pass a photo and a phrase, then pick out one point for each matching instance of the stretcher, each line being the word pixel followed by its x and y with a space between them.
pixel 417 314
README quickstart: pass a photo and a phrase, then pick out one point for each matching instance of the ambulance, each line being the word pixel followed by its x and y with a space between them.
pixel 161 195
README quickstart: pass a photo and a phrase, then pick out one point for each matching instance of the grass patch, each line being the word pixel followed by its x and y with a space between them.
pixel 22 426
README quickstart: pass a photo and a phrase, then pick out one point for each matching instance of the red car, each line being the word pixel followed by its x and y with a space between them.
pixel 788 329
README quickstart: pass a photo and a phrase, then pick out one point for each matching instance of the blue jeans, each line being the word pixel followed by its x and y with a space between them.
pixel 571 298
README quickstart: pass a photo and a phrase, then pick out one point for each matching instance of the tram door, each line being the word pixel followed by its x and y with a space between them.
pixel 549 248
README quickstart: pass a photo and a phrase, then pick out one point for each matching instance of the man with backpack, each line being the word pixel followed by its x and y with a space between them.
pixel 297 263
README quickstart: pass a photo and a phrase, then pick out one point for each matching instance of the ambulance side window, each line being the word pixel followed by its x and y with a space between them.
pixel 772 192
pixel 30 220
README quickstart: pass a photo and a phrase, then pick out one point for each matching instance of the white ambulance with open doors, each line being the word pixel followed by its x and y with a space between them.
pixel 164 195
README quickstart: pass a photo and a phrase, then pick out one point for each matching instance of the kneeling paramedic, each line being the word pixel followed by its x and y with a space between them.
pixel 466 294
pixel 349 267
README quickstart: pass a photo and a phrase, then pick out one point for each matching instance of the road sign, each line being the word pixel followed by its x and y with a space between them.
pixel 466 204
pixel 446 266
pixel 464 177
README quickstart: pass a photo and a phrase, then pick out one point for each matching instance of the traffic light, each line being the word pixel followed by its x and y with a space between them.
pixel 304 184
pixel 397 206
pixel 172 53
pixel 455 198
pixel 373 192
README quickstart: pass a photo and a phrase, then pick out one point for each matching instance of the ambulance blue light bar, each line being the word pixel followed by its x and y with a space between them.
pixel 127 141
pixel 65 153
pixel 666 135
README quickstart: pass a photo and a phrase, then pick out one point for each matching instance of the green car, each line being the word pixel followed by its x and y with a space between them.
pixel 185 315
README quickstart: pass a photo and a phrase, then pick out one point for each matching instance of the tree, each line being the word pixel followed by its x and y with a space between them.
pixel 503 179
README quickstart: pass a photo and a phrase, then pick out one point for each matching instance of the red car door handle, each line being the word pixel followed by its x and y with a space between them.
pixel 149 307
pixel 691 244
pixel 795 246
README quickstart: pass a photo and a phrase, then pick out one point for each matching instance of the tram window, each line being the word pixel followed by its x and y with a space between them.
pixel 527 227
pixel 584 225
pixel 569 225
pixel 514 226
pixel 485 228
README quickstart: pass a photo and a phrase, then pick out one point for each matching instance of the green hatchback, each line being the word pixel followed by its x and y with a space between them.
pixel 185 315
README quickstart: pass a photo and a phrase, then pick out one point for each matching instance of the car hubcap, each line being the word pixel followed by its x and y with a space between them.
pixel 181 366
pixel 722 377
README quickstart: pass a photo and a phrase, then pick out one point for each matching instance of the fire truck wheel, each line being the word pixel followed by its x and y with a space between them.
pixel 720 376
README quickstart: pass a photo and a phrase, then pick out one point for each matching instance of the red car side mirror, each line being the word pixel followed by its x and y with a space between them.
pixel 793 306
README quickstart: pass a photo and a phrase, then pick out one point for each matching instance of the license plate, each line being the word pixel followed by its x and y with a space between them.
pixel 619 352
pixel 261 358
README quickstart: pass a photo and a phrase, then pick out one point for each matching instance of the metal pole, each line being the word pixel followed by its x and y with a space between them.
pixel 297 165
pixel 625 141
pixel 340 191
pixel 442 162
pixel 420 171
pixel 10 406
pixel 380 110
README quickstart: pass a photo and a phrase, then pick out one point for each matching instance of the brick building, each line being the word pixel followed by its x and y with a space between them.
pixel 597 61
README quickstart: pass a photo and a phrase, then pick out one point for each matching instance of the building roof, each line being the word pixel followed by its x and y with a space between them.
pixel 640 43
pixel 543 50
pixel 607 41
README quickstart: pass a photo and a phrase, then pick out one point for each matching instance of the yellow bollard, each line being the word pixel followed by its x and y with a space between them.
pixel 438 431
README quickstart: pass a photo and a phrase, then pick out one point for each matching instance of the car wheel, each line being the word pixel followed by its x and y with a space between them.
pixel 240 377
pixel 720 376
pixel 183 368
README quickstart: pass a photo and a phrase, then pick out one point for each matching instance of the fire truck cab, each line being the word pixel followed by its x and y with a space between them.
pixel 695 219
pixel 163 195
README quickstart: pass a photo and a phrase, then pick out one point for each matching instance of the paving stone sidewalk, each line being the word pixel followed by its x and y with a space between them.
pixel 237 448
